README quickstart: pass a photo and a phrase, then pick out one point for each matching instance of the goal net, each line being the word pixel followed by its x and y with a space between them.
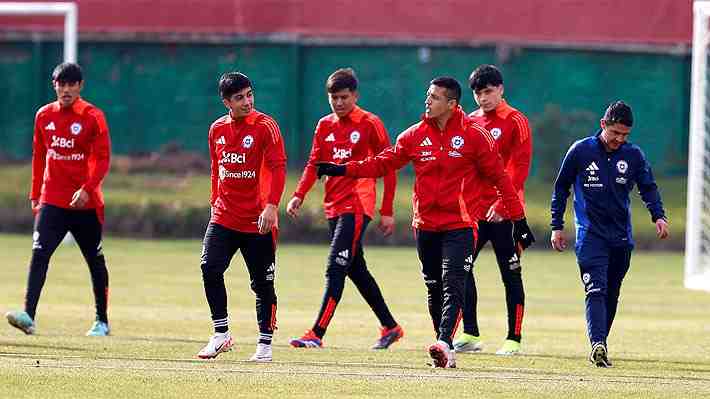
pixel 697 234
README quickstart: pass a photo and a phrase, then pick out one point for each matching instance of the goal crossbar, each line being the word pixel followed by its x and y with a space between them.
pixel 66 9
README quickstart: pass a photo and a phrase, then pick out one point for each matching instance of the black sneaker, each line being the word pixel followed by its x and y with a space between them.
pixel 598 356
pixel 388 336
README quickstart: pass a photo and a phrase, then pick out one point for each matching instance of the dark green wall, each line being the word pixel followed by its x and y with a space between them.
pixel 154 93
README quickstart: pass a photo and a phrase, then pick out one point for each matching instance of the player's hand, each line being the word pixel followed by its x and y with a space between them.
pixel 294 206
pixel 330 169
pixel 522 234
pixel 492 216
pixel 662 229
pixel 386 225
pixel 79 199
pixel 267 219
pixel 558 240
pixel 34 204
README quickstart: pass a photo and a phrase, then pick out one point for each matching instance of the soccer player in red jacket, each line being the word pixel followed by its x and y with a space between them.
pixel 510 128
pixel 248 177
pixel 70 158
pixel 349 133
pixel 444 147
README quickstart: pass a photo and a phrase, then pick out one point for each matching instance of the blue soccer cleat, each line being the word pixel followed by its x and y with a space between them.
pixel 308 340
pixel 98 329
pixel 22 321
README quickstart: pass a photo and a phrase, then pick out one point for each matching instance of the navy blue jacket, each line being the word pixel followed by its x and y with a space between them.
pixel 602 181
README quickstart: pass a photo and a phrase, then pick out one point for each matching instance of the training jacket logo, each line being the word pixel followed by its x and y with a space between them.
pixel 75 128
pixel 354 137
pixel 50 126
pixel 247 141
pixel 331 137
pixel 457 142
pixel 425 142
pixel 592 168
pixel 496 132
pixel 622 166
pixel 221 140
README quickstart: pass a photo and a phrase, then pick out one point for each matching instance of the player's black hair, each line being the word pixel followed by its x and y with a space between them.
pixel 343 78
pixel 619 112
pixel 231 83
pixel 484 76
pixel 67 72
pixel 452 86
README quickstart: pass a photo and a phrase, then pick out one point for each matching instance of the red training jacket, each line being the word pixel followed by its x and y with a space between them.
pixel 511 130
pixel 71 149
pixel 356 136
pixel 441 160
pixel 248 169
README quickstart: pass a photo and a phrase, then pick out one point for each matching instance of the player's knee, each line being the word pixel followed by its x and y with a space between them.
pixel 263 288
pixel 40 257
pixel 211 269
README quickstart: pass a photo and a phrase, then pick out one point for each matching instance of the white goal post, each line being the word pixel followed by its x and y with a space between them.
pixel 68 10
pixel 697 232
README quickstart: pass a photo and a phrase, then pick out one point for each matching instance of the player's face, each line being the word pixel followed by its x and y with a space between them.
pixel 241 103
pixel 342 102
pixel 67 92
pixel 489 97
pixel 437 103
pixel 614 135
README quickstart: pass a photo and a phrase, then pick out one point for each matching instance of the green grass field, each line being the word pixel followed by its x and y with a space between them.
pixel 160 320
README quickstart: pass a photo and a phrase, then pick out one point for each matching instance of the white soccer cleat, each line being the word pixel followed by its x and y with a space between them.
pixel 219 343
pixel 263 353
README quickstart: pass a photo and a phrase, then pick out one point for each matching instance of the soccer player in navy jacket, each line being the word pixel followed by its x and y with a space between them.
pixel 603 170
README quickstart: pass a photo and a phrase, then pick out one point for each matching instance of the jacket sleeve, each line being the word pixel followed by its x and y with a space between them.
pixel 490 165
pixel 648 189
pixel 214 167
pixel 309 177
pixel 381 141
pixel 387 161
pixel 39 161
pixel 100 157
pixel 275 161
pixel 565 179
pixel 518 166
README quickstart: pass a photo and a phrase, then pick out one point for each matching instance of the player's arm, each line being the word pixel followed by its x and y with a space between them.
pixel 488 162
pixel 518 166
pixel 275 161
pixel 99 160
pixel 563 183
pixel 39 163
pixel 651 197
pixel 380 141
pixel 214 167
pixel 387 161
pixel 308 177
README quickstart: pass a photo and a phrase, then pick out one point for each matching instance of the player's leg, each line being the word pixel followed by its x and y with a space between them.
pixel 390 331
pixel 87 231
pixel 343 230
pixel 51 225
pixel 430 255
pixel 457 257
pixel 218 247
pixel 510 268
pixel 259 252
pixel 593 260
pixel 619 262
pixel 470 339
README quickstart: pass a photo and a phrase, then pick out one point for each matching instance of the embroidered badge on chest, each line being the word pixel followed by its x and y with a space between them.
pixel 457 142
pixel 496 132
pixel 622 166
pixel 247 141
pixel 354 137
pixel 75 128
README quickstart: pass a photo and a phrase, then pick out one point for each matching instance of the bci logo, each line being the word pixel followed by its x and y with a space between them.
pixel 341 153
pixel 62 142
pixel 233 157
